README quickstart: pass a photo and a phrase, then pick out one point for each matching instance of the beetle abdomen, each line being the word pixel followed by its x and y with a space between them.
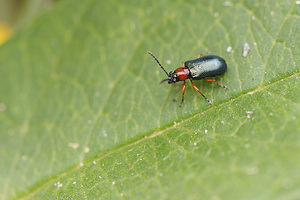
pixel 206 66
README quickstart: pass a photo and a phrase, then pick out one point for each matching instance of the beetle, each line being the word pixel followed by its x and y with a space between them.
pixel 201 68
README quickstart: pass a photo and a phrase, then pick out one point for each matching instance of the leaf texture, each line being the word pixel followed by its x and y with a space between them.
pixel 82 115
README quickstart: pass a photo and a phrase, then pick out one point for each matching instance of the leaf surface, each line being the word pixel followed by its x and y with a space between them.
pixel 82 115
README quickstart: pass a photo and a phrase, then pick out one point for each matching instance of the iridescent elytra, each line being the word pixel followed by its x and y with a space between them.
pixel 203 67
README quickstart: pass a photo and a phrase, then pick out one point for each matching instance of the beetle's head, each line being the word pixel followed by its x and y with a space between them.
pixel 172 78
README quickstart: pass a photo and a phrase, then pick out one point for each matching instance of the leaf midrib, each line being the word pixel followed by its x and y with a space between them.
pixel 150 136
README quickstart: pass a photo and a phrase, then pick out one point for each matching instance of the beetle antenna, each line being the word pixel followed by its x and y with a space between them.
pixel 158 62
pixel 167 79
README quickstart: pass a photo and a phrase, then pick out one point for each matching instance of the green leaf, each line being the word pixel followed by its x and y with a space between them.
pixel 82 114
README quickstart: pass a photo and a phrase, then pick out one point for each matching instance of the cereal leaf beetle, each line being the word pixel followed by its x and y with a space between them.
pixel 200 68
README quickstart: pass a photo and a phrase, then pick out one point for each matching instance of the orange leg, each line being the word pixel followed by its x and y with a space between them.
pixel 200 55
pixel 196 88
pixel 212 80
pixel 183 91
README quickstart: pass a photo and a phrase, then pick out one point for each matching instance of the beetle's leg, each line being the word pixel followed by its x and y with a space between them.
pixel 212 80
pixel 182 64
pixel 183 91
pixel 200 55
pixel 196 88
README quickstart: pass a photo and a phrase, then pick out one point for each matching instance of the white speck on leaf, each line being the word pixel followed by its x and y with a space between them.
pixel 113 182
pixel 86 150
pixel 227 3
pixel 253 17
pixel 73 145
pixel 74 182
pixel 104 133
pixel 250 93
pixel 205 130
pixel 298 2
pixel 271 114
pixel 229 49
pixel 249 112
pixel 222 122
pixel 81 164
pixel 168 62
pixel 246 49
pixel 59 185
pixel 175 124
pixel 94 162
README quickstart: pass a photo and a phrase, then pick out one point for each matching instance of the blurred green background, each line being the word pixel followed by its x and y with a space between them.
pixel 15 14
